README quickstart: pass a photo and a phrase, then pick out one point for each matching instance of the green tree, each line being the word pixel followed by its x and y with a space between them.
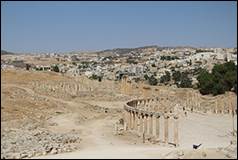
pixel 218 88
pixel 205 82
pixel 146 77
pixel 176 76
pixel 185 81
pixel 165 78
pixel 153 81
pixel 55 68
pixel 223 78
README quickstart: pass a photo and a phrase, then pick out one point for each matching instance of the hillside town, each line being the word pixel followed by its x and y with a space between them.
pixel 135 62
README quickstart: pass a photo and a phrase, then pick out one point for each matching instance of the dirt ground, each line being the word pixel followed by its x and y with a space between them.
pixel 46 124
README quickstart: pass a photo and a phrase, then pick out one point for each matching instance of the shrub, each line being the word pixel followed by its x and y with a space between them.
pixel 176 76
pixel 96 77
pixel 153 81
pixel 146 77
pixel 28 66
pixel 55 68
pixel 185 81
pixel 165 78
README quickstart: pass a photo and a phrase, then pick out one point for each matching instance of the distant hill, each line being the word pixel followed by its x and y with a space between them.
pixel 3 52
pixel 122 51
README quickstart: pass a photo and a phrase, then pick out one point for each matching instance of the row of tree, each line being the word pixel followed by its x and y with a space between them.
pixel 168 58
pixel 181 79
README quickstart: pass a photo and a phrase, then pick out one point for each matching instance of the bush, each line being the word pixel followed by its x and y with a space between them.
pixel 153 81
pixel 168 58
pixel 96 77
pixel 185 81
pixel 176 76
pixel 55 68
pixel 146 77
pixel 28 66
pixel 165 78
pixel 181 79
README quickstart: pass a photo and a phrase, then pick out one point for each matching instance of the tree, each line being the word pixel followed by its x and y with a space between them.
pixel 27 66
pixel 55 68
pixel 223 78
pixel 96 77
pixel 176 76
pixel 165 78
pixel 153 81
pixel 185 81
pixel 218 89
pixel 146 77
pixel 205 82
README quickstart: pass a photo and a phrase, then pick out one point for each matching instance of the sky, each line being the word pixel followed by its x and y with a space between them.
pixel 88 26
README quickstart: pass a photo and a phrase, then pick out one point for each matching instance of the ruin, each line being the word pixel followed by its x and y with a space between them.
pixel 144 117
pixel 157 118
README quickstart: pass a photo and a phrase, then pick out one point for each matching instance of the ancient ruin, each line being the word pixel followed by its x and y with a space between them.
pixel 145 116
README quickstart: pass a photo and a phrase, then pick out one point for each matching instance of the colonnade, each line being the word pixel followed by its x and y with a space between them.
pixel 218 105
pixel 147 119
pixel 72 88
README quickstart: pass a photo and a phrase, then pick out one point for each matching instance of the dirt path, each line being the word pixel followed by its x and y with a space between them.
pixel 98 141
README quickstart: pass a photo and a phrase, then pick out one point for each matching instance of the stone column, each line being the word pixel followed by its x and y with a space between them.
pixel 233 123
pixel 143 124
pixel 138 122
pixel 223 105
pixel 229 101
pixel 216 106
pixel 130 124
pixel 125 120
pixel 166 128
pixel 154 125
pixel 158 126
pixel 176 139
pixel 135 120
pixel 76 88
pixel 128 120
pixel 151 124
pixel 148 125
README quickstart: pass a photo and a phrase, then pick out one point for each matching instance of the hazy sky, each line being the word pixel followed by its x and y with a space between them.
pixel 68 26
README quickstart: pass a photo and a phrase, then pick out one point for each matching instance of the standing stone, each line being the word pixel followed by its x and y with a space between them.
pixel 176 140
pixel 148 125
pixel 143 124
pixel 154 126
pixel 138 123
pixel 166 129
pixel 158 126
